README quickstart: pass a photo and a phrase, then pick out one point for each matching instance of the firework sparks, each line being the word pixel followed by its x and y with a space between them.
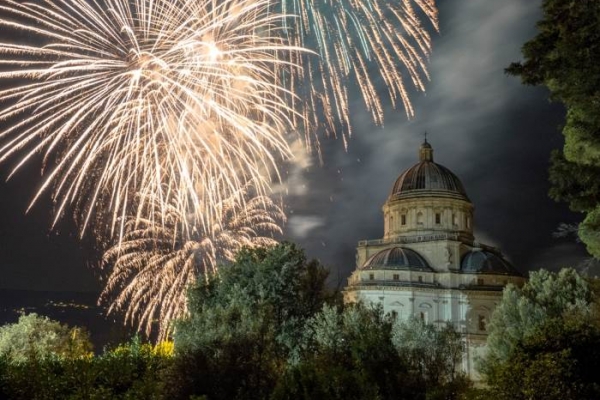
pixel 151 115
pixel 188 100
pixel 176 100
pixel 361 41
pixel 154 265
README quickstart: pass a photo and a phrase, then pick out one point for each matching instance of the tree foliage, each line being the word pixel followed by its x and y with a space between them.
pixel 276 283
pixel 433 353
pixel 357 352
pixel 246 323
pixel 522 311
pixel 559 362
pixel 347 354
pixel 565 57
pixel 133 370
pixel 35 336
pixel 543 340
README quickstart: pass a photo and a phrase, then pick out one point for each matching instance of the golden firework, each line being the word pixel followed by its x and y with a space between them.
pixel 381 47
pixel 152 267
pixel 176 100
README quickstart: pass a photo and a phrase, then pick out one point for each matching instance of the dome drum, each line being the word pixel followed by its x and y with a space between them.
pixel 427 216
pixel 427 198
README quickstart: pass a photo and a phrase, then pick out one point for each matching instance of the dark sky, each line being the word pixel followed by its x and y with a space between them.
pixel 495 134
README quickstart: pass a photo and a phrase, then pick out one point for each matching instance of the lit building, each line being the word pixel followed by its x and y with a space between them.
pixel 428 264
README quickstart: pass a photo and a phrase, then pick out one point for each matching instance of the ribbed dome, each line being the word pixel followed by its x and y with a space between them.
pixel 486 262
pixel 397 258
pixel 428 179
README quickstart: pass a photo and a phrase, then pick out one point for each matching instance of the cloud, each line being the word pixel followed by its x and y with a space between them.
pixel 562 255
pixel 494 133
pixel 294 182
pixel 302 225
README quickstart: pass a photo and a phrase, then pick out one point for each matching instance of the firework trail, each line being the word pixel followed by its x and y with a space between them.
pixel 359 41
pixel 150 115
pixel 188 100
pixel 155 264
pixel 174 100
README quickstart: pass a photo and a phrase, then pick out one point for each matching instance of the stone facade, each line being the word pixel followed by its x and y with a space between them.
pixel 428 264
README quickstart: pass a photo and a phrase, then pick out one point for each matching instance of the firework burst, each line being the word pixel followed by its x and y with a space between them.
pixel 151 269
pixel 150 115
pixel 174 100
pixel 372 43
pixel 188 100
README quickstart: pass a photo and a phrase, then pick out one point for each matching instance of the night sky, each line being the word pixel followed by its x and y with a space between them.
pixel 491 131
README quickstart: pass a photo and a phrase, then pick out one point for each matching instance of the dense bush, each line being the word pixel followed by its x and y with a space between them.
pixel 544 340
pixel 266 328
pixel 38 337
pixel 131 371
pixel 269 328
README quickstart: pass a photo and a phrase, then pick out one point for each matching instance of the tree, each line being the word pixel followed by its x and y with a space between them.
pixel 433 354
pixel 574 183
pixel 521 312
pixel 559 362
pixel 133 370
pixel 357 352
pixel 36 336
pixel 277 280
pixel 544 340
pixel 246 323
pixel 565 57
pixel 347 354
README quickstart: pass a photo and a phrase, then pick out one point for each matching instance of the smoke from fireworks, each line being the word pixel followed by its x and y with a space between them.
pixel 154 264
pixel 174 100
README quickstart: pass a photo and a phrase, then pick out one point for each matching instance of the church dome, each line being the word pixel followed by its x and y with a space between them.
pixel 428 179
pixel 397 258
pixel 482 261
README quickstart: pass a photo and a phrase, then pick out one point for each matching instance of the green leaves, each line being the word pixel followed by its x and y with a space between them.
pixel 435 353
pixel 131 371
pixel 565 57
pixel 522 312
pixel 544 340
pixel 246 324
pixel 589 232
pixel 38 337
pixel 559 362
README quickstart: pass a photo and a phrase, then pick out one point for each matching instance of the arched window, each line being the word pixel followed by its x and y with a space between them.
pixel 478 319
pixel 419 218
pixel 403 219
pixel 454 220
pixel 481 322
